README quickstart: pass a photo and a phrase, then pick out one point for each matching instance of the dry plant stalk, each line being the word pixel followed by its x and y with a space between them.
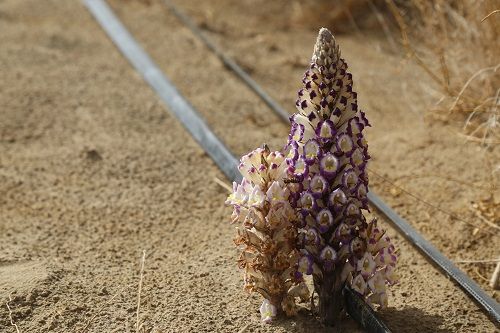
pixel 458 49
pixel 495 278
pixel 138 324
pixel 343 16
pixel 10 314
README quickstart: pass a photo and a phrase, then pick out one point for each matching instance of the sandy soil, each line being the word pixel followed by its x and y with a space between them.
pixel 94 170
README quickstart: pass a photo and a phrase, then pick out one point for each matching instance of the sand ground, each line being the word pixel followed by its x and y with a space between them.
pixel 94 171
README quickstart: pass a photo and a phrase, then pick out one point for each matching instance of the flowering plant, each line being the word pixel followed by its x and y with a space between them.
pixel 301 212
pixel 327 157
pixel 267 232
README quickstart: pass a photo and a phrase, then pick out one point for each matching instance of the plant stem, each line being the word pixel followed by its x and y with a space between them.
pixel 329 289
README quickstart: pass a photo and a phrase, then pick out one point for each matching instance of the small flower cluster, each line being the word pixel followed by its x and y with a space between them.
pixel 301 212
pixel 375 268
pixel 267 232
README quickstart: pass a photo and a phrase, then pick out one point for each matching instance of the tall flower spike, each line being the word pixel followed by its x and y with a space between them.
pixel 267 233
pixel 329 162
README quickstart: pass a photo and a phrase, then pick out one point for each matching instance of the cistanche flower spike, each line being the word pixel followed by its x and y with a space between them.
pixel 327 156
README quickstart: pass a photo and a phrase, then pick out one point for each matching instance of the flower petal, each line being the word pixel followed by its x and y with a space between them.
pixel 267 311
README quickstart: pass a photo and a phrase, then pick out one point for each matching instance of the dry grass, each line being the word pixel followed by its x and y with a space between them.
pixel 342 16
pixel 456 43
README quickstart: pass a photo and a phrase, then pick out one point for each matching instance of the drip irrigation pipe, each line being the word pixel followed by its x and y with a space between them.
pixel 153 75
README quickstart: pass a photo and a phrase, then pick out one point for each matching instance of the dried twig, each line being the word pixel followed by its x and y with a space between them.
pixel 223 184
pixel 478 73
pixel 495 278
pixel 480 275
pixel 141 276
pixel 448 178
pixel 490 14
pixel 410 50
pixel 385 27
pixel 474 139
pixel 485 220
pixel 482 261
pixel 424 201
pixel 10 314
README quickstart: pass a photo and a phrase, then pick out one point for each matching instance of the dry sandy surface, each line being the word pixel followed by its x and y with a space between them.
pixel 94 171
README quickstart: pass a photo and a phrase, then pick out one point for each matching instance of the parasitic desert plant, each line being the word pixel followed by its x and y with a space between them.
pixel 267 232
pixel 300 212
pixel 327 157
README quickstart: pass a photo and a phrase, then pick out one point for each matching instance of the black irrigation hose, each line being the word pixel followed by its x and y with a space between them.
pixel 153 75
pixel 193 122
pixel 229 63
pixel 227 162
pixel 437 258
pixel 361 313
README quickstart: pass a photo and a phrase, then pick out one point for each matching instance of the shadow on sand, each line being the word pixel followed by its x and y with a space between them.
pixel 411 319
pixel 408 320
pixel 304 322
